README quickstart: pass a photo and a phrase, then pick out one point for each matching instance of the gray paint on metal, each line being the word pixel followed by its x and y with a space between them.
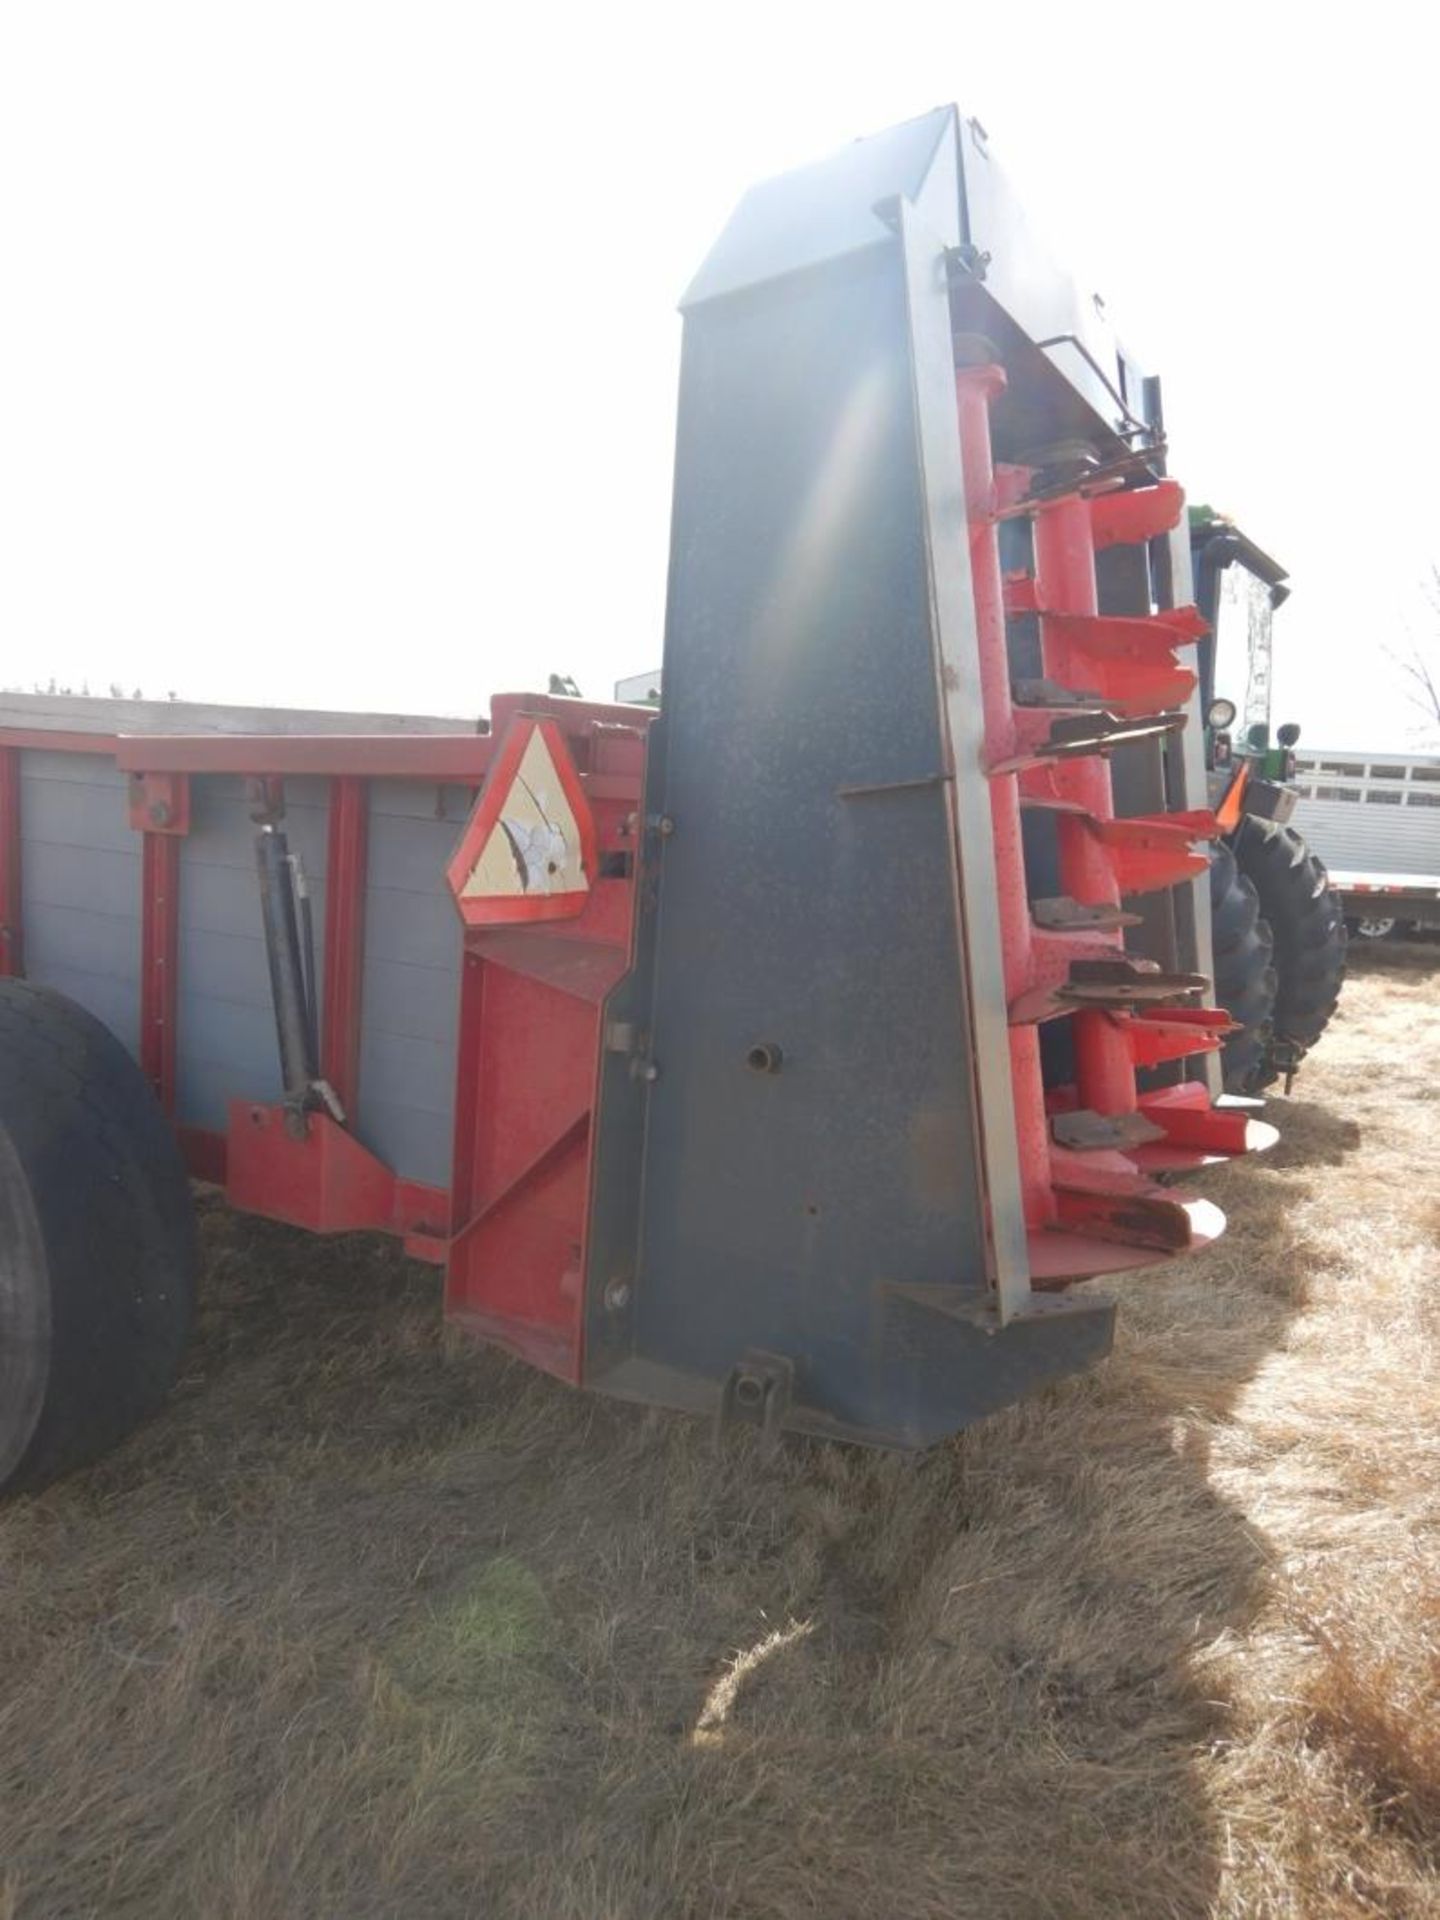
pixel 817 214
pixel 834 1211
pixel 957 665
pixel 81 873
pixel 1188 790
pixel 1378 815
pixel 1026 282
pixel 411 996
pixel 800 660
pixel 87 713
pixel 225 1022
pixel 80 876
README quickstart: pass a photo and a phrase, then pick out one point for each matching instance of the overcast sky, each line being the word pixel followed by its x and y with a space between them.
pixel 338 347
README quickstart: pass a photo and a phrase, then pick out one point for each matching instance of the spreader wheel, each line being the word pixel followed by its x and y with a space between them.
pixel 97 1240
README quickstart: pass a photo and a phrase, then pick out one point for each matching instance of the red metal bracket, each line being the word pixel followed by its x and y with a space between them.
pixel 345 865
pixel 324 1179
pixel 265 797
pixel 1176 1034
pixel 1022 594
pixel 160 961
pixel 1190 1121
pixel 1140 513
pixel 160 803
pixel 1106 635
pixel 160 810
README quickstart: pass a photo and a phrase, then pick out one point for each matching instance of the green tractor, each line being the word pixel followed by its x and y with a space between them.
pixel 1278 929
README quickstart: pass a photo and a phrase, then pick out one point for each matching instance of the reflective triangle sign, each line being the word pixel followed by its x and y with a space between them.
pixel 528 849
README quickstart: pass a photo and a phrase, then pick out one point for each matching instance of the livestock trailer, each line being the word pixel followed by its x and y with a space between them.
pixel 1374 818
pixel 786 1055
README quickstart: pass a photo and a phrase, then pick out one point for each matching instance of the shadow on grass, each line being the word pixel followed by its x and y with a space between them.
pixel 374 1622
pixel 1420 959
pixel 1311 1134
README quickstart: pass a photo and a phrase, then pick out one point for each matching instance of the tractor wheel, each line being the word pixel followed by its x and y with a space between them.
pixel 97 1240
pixel 1304 914
pixel 1245 982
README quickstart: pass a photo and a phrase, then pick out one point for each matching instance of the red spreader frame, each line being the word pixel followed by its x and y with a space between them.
pixel 509 1227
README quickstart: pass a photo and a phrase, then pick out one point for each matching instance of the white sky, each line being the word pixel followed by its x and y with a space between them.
pixel 338 346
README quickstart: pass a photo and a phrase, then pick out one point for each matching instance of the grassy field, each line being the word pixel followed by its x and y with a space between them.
pixel 373 1623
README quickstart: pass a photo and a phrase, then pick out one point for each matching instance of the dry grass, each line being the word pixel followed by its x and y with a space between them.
pixel 375 1624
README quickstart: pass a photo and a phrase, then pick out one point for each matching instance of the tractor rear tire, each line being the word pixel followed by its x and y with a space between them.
pixel 1245 979
pixel 97 1240
pixel 1309 928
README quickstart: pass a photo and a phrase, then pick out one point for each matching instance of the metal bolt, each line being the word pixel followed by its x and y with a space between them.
pixel 649 1071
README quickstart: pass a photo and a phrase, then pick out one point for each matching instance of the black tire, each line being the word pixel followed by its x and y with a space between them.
pixel 97 1240
pixel 1245 979
pixel 1309 928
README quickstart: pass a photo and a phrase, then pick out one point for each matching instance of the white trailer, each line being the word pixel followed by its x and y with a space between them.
pixel 1374 819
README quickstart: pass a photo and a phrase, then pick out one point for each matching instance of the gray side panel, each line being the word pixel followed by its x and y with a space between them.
pixel 1383 823
pixel 225 1020
pixel 80 868
pixel 778 1208
pixel 411 1004
pixel 1367 838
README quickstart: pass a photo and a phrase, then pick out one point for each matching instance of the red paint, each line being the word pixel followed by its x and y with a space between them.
pixel 459 757
pixel 321 1178
pixel 1103 1212
pixel 205 1153
pixel 1139 513
pixel 12 938
pixel 345 867
pixel 1128 662
pixel 529 1044
pixel 1151 851
pixel 577 719
pixel 531 1018
pixel 160 803
pixel 1189 1119
pixel 1065 577
pixel 1121 636
pixel 160 962
pixel 976 388
pixel 1177 1033
pixel 41 739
